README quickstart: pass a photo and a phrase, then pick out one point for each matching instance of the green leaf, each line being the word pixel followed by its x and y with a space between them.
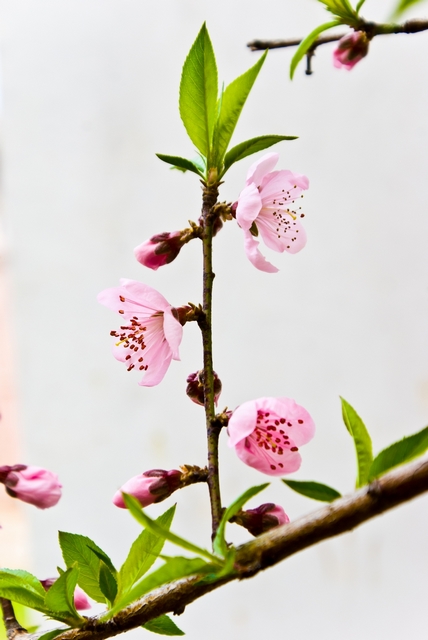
pixel 306 44
pixel 60 596
pixel 398 453
pixel 403 5
pixel 135 509
pixel 143 553
pixel 360 4
pixel 173 569
pixel 108 583
pixel 230 106
pixel 80 549
pixel 249 147
pixel 198 92
pixel 341 9
pixel 164 626
pixel 22 587
pixel 314 490
pixel 219 544
pixel 180 163
pixel 362 441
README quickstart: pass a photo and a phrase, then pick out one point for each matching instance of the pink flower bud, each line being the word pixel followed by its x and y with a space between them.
pixel 34 485
pixel 263 518
pixel 195 387
pixel 351 49
pixel 81 601
pixel 160 249
pixel 149 487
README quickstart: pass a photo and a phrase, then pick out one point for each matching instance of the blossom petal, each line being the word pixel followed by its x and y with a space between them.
pixel 249 206
pixel 303 425
pixel 139 298
pixel 255 257
pixel 157 367
pixel 242 422
pixel 266 461
pixel 261 167
pixel 283 184
pixel 173 332
pixel 287 234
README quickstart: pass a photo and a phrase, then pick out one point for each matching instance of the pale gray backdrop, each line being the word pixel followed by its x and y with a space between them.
pixel 90 93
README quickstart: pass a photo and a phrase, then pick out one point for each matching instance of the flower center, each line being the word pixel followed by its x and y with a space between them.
pixel 270 433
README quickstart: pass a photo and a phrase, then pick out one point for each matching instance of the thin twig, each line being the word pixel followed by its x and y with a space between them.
pixel 394 488
pixel 372 29
pixel 13 628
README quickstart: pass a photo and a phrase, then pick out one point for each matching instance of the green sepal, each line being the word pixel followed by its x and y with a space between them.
pixel 135 509
pixel 398 453
pixel 306 44
pixel 143 553
pixel 198 92
pixel 164 626
pixel 88 555
pixel 314 490
pixel 251 146
pixel 220 545
pixel 180 163
pixel 230 105
pixel 362 441
pixel 108 583
pixel 60 597
pixel 173 569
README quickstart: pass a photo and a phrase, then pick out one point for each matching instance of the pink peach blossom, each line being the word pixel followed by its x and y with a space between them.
pixel 267 433
pixel 149 487
pixel 265 517
pixel 160 249
pixel 81 601
pixel 34 485
pixel 265 206
pixel 351 49
pixel 150 334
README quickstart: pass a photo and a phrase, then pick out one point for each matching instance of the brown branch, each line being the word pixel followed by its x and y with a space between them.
pixel 13 628
pixel 394 488
pixel 372 29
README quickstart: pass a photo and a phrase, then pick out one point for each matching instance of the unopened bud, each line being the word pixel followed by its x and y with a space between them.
pixel 160 249
pixel 34 485
pixel 261 519
pixel 351 49
pixel 81 601
pixel 149 487
pixel 195 387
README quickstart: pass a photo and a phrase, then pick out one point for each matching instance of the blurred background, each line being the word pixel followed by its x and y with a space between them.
pixel 89 95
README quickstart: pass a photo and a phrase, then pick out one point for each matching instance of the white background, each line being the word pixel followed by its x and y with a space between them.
pixel 90 93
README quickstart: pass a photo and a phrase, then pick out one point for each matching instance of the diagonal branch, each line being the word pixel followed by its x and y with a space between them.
pixel 13 628
pixel 394 488
pixel 372 29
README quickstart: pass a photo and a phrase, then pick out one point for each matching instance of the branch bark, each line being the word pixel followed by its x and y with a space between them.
pixel 372 29
pixel 13 628
pixel 394 488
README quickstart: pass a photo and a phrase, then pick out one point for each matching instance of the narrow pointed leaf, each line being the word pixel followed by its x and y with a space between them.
pixel 360 4
pixel 362 441
pixel 81 549
pixel 230 107
pixel 306 44
pixel 402 6
pixel 341 9
pixel 198 92
pixel 143 553
pixel 50 635
pixel 219 544
pixel 108 583
pixel 164 626
pixel 251 146
pixel 314 490
pixel 135 509
pixel 60 596
pixel 180 163
pixel 400 452
pixel 173 569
